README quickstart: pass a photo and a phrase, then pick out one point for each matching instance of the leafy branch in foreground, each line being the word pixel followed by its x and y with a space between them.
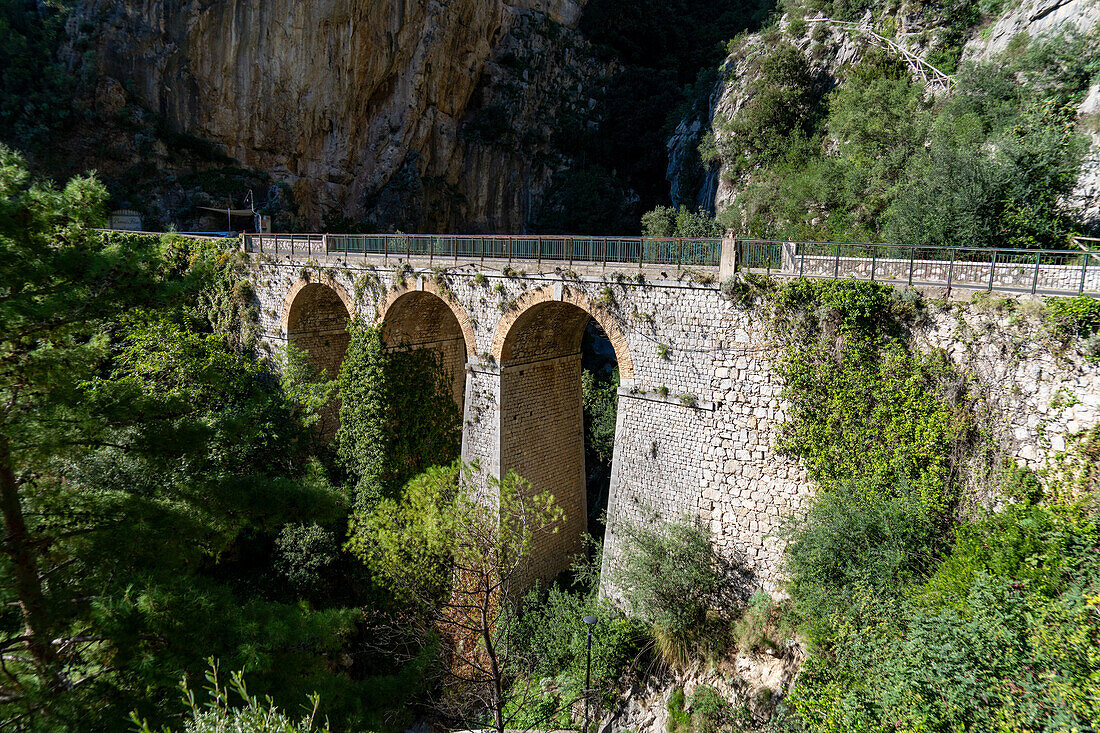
pixel 219 715
pixel 458 544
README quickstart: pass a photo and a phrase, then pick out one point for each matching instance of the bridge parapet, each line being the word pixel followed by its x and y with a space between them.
pixel 1038 272
pixel 454 250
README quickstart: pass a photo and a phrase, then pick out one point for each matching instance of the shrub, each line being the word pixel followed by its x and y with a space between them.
pixel 846 547
pixel 666 221
pixel 252 715
pixel 763 624
pixel 671 577
pixel 599 397
pixel 916 622
pixel 867 413
pixel 1073 317
pixel 679 719
pixel 710 712
pixel 550 653
pixel 782 103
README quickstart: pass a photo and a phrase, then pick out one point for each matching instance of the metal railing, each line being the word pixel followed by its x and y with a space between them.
pixel 638 251
pixel 1047 272
pixel 1007 270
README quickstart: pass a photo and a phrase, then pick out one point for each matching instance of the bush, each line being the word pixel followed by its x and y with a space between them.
pixel 867 414
pixel 986 165
pixel 918 623
pixel 764 624
pixel 782 104
pixel 252 715
pixel 846 547
pixel 599 397
pixel 665 221
pixel 550 654
pixel 1073 317
pixel 1000 637
pixel 397 415
pixel 671 576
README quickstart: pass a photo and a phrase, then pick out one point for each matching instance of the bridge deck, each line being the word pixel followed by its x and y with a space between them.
pixel 1043 272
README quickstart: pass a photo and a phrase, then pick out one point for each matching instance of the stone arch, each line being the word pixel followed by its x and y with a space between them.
pixel 315 315
pixel 526 304
pixel 315 319
pixel 427 286
pixel 538 348
pixel 425 318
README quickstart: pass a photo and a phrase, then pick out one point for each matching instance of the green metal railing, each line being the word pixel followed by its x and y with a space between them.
pixel 674 252
pixel 1006 270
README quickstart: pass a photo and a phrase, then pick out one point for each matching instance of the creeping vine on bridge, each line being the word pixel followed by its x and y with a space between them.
pixel 397 415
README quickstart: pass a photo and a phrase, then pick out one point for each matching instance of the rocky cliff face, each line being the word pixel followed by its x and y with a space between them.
pixel 827 46
pixel 830 46
pixel 1034 18
pixel 409 114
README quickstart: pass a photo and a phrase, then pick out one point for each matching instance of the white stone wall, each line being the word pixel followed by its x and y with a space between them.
pixel 1040 390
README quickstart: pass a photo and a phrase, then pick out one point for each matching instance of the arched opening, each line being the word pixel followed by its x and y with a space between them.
pixel 600 399
pixel 317 324
pixel 547 349
pixel 423 320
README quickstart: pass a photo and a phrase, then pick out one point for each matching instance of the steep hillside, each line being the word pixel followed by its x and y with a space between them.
pixel 868 121
pixel 400 112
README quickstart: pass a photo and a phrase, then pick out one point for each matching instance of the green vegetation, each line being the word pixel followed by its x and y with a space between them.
pixel 875 160
pixel 672 578
pixel 36 87
pixel 550 652
pixel 665 221
pixel 1073 317
pixel 706 712
pixel 397 415
pixel 599 397
pixel 915 619
pixel 251 714
pixel 164 497
pixel 459 558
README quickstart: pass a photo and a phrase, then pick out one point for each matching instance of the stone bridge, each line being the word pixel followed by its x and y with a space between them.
pixel 698 408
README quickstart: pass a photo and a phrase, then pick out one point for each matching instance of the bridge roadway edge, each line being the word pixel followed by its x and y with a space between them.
pixel 705 449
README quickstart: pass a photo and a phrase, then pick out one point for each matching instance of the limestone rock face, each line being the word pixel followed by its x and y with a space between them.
pixel 828 47
pixel 360 105
pixel 1085 197
pixel 1033 17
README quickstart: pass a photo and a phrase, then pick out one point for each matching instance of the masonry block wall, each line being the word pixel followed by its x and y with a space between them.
pixel 423 320
pixel 316 321
pixel 542 440
pixel 699 408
